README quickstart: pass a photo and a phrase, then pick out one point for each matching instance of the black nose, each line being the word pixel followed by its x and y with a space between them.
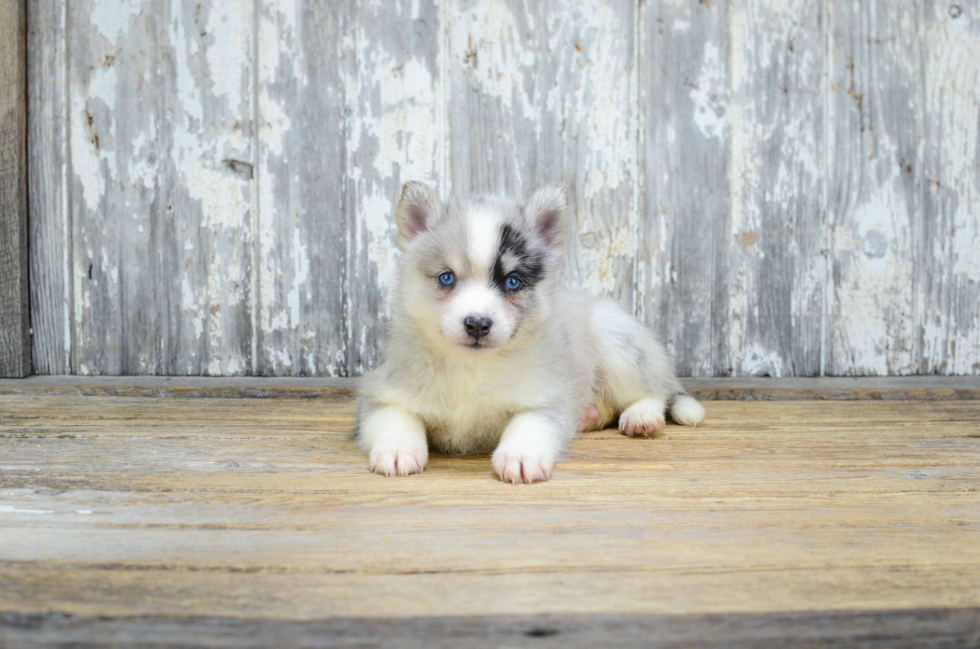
pixel 477 326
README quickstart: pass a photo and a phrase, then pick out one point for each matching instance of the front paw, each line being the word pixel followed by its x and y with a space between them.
pixel 517 463
pixel 398 461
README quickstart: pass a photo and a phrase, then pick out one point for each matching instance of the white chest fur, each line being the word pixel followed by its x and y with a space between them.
pixel 467 404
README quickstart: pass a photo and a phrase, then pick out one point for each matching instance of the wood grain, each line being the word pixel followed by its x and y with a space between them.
pixel 301 244
pixel 686 233
pixel 910 629
pixel 15 339
pixel 777 188
pixel 874 202
pixel 118 507
pixel 777 240
pixel 160 120
pixel 948 295
pixel 48 160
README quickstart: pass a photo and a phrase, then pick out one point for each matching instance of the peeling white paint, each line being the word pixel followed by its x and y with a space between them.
pixel 951 325
pixel 88 145
pixel 710 93
pixel 498 51
pixel 758 361
pixel 599 255
pixel 112 19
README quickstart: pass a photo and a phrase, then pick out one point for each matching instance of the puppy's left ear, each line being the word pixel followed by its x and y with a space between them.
pixel 547 210
pixel 417 210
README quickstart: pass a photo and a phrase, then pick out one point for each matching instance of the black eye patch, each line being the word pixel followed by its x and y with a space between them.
pixel 530 267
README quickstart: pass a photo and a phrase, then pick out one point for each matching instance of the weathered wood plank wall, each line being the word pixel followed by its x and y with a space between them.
pixel 15 346
pixel 779 187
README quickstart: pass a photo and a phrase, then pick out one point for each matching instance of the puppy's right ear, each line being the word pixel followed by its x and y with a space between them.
pixel 417 210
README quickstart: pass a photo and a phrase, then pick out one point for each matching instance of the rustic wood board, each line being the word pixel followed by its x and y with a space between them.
pixel 921 388
pixel 15 339
pixel 160 101
pixel 911 629
pixel 48 159
pixel 875 199
pixel 155 513
pixel 686 228
pixel 299 246
pixel 948 293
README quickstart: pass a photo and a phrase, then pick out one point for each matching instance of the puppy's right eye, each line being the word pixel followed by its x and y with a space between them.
pixel 447 279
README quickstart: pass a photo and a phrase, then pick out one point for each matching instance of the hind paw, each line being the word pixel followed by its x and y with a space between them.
pixel 645 418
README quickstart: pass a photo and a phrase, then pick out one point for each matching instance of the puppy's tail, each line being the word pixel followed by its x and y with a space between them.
pixel 685 409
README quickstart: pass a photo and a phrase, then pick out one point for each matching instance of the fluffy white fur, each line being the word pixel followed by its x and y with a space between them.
pixel 554 362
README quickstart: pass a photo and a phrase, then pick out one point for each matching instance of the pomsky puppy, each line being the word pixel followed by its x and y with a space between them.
pixel 487 352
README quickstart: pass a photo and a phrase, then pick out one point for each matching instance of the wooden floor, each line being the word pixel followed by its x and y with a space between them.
pixel 253 522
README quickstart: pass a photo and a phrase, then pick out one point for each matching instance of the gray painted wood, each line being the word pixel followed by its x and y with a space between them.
pixel 775 250
pixel 909 628
pixel 874 204
pixel 300 242
pixel 686 234
pixel 948 267
pixel 15 345
pixel 160 117
pixel 778 188
pixel 50 276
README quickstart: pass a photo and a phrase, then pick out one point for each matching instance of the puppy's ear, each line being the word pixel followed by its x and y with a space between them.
pixel 547 209
pixel 417 210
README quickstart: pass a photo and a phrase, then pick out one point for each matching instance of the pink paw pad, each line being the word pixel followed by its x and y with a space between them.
pixel 590 420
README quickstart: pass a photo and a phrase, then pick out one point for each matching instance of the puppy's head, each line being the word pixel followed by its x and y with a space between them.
pixel 477 275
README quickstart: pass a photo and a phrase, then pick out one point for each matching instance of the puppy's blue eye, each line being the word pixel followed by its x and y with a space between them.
pixel 512 283
pixel 447 279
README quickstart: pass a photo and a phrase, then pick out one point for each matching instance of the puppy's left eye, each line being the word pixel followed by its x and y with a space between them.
pixel 512 283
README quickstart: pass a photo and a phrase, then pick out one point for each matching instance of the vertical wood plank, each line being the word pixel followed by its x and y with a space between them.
pixel 686 230
pixel 161 156
pixel 777 242
pixel 15 351
pixel 50 236
pixel 394 131
pixel 494 54
pixel 302 228
pixel 874 202
pixel 545 92
pixel 588 136
pixel 949 252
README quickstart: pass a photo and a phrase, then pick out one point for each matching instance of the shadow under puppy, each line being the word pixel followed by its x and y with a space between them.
pixel 486 352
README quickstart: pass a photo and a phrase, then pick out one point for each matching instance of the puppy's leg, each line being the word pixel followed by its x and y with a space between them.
pixel 637 379
pixel 394 440
pixel 645 418
pixel 528 448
